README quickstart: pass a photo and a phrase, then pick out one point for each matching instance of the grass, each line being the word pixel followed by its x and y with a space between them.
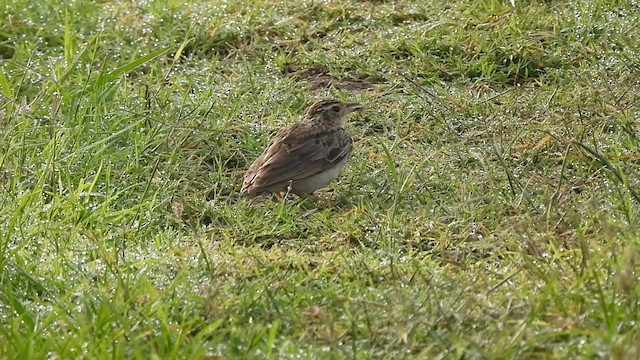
pixel 490 209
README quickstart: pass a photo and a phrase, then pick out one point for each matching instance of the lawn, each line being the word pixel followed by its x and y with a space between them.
pixel 490 210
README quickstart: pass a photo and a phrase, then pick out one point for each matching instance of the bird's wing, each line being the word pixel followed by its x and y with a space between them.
pixel 298 152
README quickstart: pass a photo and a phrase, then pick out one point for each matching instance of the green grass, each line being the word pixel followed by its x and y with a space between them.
pixel 490 210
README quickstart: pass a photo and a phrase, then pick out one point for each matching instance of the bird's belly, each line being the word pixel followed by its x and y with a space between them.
pixel 315 182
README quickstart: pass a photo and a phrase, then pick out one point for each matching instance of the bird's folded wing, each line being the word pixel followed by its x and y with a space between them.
pixel 296 155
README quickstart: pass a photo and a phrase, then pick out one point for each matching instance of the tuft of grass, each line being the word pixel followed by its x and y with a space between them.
pixel 490 209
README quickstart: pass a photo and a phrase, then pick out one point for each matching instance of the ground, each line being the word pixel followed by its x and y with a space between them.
pixel 490 209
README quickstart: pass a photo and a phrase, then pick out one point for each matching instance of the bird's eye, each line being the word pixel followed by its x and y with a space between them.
pixel 335 108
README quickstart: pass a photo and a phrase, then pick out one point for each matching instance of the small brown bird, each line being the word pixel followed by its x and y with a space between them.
pixel 306 156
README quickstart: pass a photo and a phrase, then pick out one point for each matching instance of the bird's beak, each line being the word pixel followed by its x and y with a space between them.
pixel 351 107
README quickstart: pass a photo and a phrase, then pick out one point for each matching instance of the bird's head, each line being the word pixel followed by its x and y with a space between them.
pixel 331 112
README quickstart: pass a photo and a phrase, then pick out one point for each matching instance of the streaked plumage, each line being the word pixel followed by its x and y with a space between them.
pixel 306 156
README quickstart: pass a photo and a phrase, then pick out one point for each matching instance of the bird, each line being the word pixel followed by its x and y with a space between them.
pixel 305 156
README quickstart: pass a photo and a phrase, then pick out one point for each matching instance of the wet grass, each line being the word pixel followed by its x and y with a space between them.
pixel 490 209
